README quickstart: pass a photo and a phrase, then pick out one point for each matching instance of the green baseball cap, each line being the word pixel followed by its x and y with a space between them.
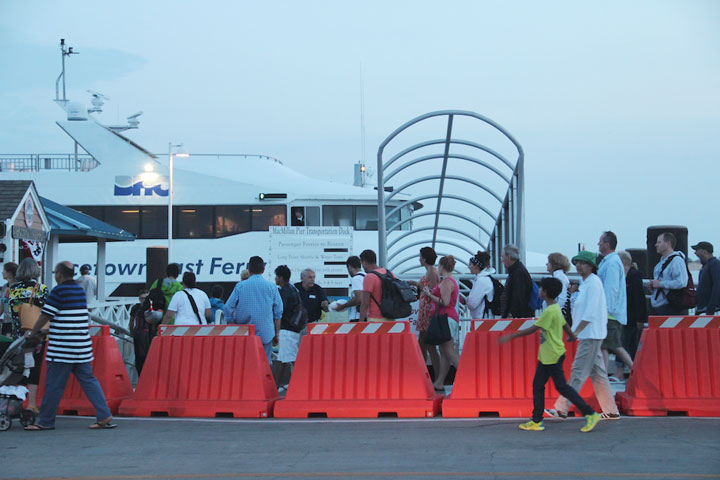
pixel 587 257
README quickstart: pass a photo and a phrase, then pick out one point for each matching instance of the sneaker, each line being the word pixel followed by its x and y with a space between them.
pixel 552 413
pixel 533 426
pixel 609 416
pixel 591 421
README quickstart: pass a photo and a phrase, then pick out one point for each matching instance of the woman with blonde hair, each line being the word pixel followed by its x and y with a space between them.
pixel 558 265
pixel 445 323
pixel 27 289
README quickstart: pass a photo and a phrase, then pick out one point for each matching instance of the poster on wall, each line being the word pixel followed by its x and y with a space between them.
pixel 322 249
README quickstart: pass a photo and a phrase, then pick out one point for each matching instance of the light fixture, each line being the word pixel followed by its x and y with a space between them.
pixel 149 167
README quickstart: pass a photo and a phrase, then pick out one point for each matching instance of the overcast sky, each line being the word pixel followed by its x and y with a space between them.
pixel 616 103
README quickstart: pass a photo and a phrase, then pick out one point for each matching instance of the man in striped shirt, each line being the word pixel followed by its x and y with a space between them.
pixel 69 350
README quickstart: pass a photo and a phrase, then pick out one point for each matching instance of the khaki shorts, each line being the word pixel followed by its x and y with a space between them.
pixel 613 341
pixel 379 320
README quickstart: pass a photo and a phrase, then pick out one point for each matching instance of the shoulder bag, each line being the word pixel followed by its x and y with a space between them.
pixel 29 312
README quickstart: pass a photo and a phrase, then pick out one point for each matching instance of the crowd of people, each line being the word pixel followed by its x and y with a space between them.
pixel 605 312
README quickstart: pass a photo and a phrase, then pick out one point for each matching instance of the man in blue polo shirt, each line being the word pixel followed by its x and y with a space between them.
pixel 69 350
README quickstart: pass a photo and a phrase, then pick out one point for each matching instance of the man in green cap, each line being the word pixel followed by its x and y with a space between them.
pixel 589 313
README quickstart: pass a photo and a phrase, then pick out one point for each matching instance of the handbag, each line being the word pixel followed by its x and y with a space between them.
pixel 438 331
pixel 29 312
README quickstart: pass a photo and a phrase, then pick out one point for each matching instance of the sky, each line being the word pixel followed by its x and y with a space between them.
pixel 616 104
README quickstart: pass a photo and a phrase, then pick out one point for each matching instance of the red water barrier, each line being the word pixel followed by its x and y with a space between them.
pixel 108 367
pixel 204 371
pixel 494 379
pixel 676 369
pixel 359 370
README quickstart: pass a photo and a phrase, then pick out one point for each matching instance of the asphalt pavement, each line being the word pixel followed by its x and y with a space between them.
pixel 167 448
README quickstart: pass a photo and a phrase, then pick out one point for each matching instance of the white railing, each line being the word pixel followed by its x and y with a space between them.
pixel 116 314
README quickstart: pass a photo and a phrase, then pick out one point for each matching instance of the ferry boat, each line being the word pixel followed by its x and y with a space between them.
pixel 225 208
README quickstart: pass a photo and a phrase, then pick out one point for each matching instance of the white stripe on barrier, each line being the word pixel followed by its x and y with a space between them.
pixel 397 328
pixel 318 329
pixel 478 323
pixel 227 331
pixel 527 324
pixel 671 322
pixel 179 331
pixel 500 325
pixel 372 328
pixel 203 331
pixel 701 322
pixel 346 328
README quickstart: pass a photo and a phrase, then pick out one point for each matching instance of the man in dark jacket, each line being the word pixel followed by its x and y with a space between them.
pixel 708 289
pixel 636 305
pixel 515 299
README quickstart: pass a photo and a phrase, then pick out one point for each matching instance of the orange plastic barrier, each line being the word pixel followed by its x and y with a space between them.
pixel 676 369
pixel 204 371
pixel 108 367
pixel 494 379
pixel 359 370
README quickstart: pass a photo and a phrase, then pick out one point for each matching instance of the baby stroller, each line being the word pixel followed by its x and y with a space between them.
pixel 15 364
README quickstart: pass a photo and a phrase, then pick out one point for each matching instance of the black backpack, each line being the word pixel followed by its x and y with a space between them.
pixel 494 305
pixel 155 299
pixel 397 296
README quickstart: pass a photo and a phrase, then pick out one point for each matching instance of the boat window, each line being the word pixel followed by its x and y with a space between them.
pixel 366 217
pixel 264 216
pixel 232 219
pixel 125 217
pixel 95 212
pixel 153 222
pixel 305 216
pixel 338 215
pixel 193 222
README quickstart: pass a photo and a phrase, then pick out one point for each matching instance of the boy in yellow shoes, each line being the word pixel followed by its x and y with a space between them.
pixel 551 355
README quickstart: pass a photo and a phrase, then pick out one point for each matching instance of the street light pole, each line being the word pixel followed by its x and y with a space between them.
pixel 170 203
pixel 171 156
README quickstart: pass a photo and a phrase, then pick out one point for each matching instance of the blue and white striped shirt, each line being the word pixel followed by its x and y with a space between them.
pixel 255 301
pixel 69 337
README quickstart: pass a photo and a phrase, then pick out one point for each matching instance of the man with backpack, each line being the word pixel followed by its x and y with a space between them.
pixel 670 274
pixel 384 297
pixel 161 293
pixel 519 287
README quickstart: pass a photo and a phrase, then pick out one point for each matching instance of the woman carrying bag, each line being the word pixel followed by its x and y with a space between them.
pixel 26 297
pixel 445 324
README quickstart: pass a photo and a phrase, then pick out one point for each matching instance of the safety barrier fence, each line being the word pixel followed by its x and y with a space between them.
pixel 376 369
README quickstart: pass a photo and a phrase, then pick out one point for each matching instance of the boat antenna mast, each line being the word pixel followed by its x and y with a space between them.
pixel 65 52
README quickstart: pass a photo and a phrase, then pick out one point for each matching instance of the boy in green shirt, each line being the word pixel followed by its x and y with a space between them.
pixel 551 355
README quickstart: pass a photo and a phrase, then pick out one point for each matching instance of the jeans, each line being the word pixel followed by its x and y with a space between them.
pixel 268 351
pixel 57 377
pixel 555 371
pixel 589 362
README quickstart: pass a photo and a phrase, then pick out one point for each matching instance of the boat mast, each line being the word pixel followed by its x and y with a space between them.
pixel 64 52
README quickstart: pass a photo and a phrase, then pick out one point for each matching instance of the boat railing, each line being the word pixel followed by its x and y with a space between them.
pixel 116 314
pixel 222 156
pixel 35 162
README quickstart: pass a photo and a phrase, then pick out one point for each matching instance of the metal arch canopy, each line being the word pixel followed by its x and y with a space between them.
pixel 509 223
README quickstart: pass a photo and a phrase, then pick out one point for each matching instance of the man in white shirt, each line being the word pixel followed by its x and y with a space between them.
pixel 589 313
pixel 357 276
pixel 670 274
pixel 88 283
pixel 181 306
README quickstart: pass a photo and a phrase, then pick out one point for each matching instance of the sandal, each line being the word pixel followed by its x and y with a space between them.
pixel 104 424
pixel 36 427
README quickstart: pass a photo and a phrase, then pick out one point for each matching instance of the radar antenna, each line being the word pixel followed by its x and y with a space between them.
pixel 97 101
pixel 65 52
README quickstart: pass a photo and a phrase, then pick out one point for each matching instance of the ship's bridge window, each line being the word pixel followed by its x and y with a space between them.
pixel 232 219
pixel 195 221
pixel 337 215
pixel 305 216
pixel 362 217
pixel 265 216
